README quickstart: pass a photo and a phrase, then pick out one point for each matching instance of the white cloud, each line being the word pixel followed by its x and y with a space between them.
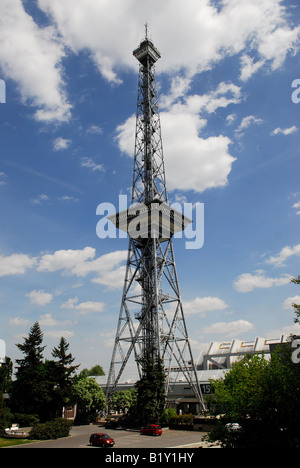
pixel 19 322
pixel 57 334
pixel 61 143
pixel 31 56
pixel 88 307
pixel 192 162
pixel 248 281
pixel 284 131
pixel 97 27
pixel 291 329
pixel 90 164
pixel 296 206
pixel 69 198
pixel 70 303
pixel 288 303
pixel 48 320
pixel 3 178
pixel 16 264
pixel 67 260
pixel 246 122
pixel 275 44
pixel 229 329
pixel 107 268
pixel 284 254
pixel 83 308
pixel 94 129
pixel 201 305
pixel 39 199
pixel 39 297
pixel 249 67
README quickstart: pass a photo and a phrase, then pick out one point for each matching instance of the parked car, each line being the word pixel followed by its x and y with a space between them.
pixel 151 429
pixel 101 440
pixel 233 427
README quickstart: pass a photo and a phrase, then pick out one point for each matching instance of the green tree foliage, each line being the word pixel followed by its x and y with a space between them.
pixel 42 387
pixel 296 306
pixel 89 397
pixel 29 393
pixel 150 388
pixel 3 414
pixel 123 399
pixel 6 371
pixel 5 381
pixel 263 397
pixel 93 372
pixel 63 371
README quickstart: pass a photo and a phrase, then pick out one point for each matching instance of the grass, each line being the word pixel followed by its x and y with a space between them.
pixel 11 442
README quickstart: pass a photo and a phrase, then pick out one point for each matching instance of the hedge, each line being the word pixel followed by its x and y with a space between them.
pixel 51 430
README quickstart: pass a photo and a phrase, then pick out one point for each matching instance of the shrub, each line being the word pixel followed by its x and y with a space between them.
pixel 51 430
pixel 167 416
pixel 26 420
pixel 183 419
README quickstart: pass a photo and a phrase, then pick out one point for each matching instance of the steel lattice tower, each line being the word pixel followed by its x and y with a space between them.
pixel 151 317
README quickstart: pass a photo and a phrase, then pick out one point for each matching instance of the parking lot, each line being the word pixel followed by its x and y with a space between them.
pixel 124 439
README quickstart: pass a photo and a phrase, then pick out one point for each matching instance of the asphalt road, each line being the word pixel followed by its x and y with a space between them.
pixel 125 439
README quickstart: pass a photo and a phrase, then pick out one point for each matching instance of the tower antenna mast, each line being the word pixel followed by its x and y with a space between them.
pixel 151 319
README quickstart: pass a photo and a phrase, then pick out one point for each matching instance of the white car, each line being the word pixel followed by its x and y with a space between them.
pixel 233 426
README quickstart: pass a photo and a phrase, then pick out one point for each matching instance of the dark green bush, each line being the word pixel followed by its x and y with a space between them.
pixel 51 430
pixel 26 420
pixel 182 419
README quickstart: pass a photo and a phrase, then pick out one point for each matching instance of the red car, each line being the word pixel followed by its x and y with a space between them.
pixel 101 440
pixel 151 429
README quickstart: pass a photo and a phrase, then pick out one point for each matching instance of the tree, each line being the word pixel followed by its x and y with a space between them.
pixel 94 371
pixel 151 395
pixel 42 387
pixel 5 384
pixel 28 390
pixel 89 397
pixel 32 349
pixel 6 371
pixel 296 306
pixel 61 374
pixel 3 414
pixel 123 399
pixel 263 397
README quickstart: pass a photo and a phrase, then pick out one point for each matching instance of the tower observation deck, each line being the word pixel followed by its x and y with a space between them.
pixel 151 320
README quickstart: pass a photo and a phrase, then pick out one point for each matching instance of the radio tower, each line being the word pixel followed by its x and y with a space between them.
pixel 151 320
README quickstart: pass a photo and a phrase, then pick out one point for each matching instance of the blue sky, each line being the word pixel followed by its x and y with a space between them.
pixel 231 141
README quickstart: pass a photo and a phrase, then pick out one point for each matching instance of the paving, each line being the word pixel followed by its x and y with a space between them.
pixel 127 439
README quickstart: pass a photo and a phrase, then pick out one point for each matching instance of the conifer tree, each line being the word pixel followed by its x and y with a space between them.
pixel 28 389
pixel 151 391
pixel 63 371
